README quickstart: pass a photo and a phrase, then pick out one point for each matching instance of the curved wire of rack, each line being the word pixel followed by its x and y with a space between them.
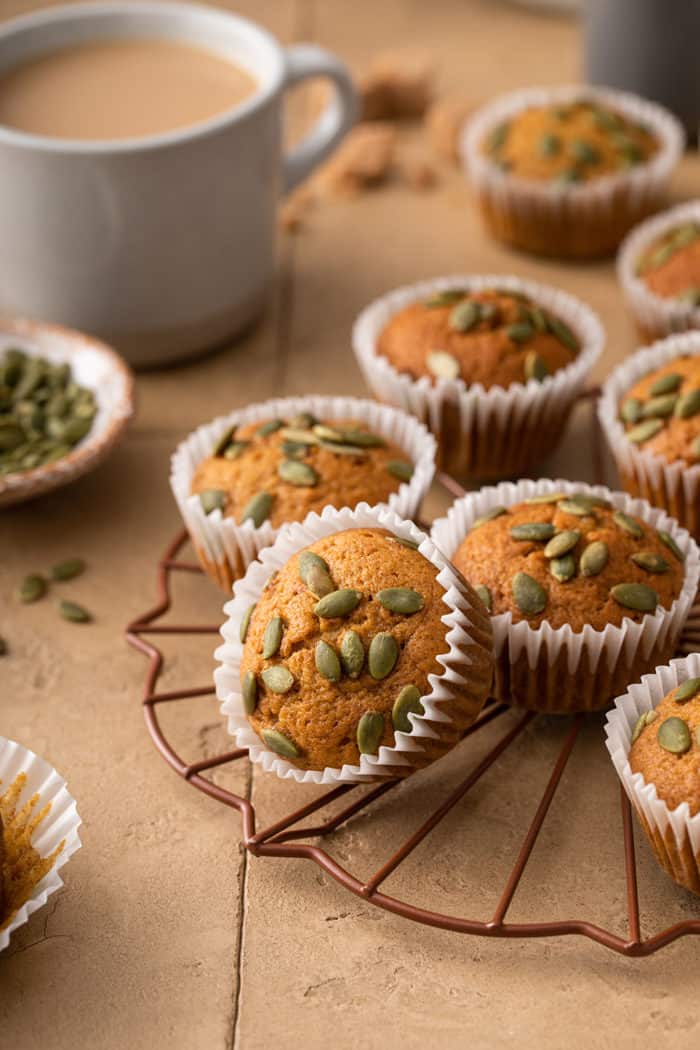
pixel 285 838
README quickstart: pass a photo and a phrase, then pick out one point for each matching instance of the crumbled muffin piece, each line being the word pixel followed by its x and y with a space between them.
pixel 444 122
pixel 399 85
pixel 363 160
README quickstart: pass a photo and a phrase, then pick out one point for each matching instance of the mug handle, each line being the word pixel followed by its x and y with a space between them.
pixel 304 61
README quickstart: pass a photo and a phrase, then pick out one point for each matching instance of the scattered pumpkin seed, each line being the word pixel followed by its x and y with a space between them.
pixel 520 332
pixel 272 639
pixel 594 558
pixel 446 298
pixel 327 662
pixel 583 152
pixel 644 431
pixel 245 622
pixel 363 438
pixel 303 420
pixel 631 410
pixel 315 573
pixel 563 333
pixel 576 507
pixel 212 499
pixel 563 569
pixel 257 509
pixel 674 735
pixel 494 512
pixel 485 595
pixel 400 600
pixel 660 407
pixel 442 364
pixel 533 530
pixel 74 612
pixel 688 405
pixel 497 137
pixel 352 654
pixel 668 541
pixel 224 441
pixel 300 436
pixel 326 433
pixel 295 472
pixel 666 384
pixel 538 318
pixel 68 570
pixel 407 702
pixel 400 470
pixel 650 562
pixel 636 596
pixel 270 427
pixel 549 145
pixel 562 543
pixel 628 524
pixel 279 743
pixel 236 449
pixel 645 719
pixel 338 603
pixel 370 730
pixel 249 692
pixel 529 595
pixel 343 450
pixel 465 316
pixel 32 588
pixel 382 655
pixel 278 678
pixel 687 690
pixel 534 367
pixel 547 497
pixel 567 177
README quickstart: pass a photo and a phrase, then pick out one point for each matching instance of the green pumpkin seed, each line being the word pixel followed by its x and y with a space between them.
pixel 327 662
pixel 549 145
pixel 407 702
pixel 410 544
pixel 485 595
pixel 257 509
pixel 563 569
pixel 68 570
pixel 363 438
pixel 245 622
pixel 272 425
pixel 532 530
pixel 32 588
pixel 688 405
pixel 279 743
pixel 594 558
pixel 644 431
pixel 382 656
pixel 278 678
pixel 497 137
pixel 74 612
pixel 576 507
pixel 583 152
pixel 224 441
pixel 645 719
pixel 296 473
pixel 303 420
pixel 650 562
pixel 442 365
pixel 212 499
pixel 687 690
pixel 310 560
pixel 547 497
pixel 446 298
pixel 567 177
pixel 636 596
pixel 272 639
pixel 400 470
pixel 563 333
pixel 534 367
pixel 292 449
pixel 315 573
pixel 464 316
pixel 494 512
pixel 327 433
pixel 11 437
pixel 299 436
pixel 666 384
pixel 249 692
pixel 352 654
pixel 343 450
pixel 660 407
pixel 400 600
pixel 538 318
pixel 520 332
pixel 628 524
pixel 370 730
pixel 631 410
pixel 338 603
pixel 562 543
pixel 530 597
pixel 674 735
pixel 669 542
pixel 235 449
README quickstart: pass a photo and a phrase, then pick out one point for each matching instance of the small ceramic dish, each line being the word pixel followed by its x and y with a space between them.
pixel 94 365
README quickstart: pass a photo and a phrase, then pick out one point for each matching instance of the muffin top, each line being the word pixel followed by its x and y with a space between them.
pixel 570 560
pixel 569 144
pixel 339 647
pixel 666 746
pixel 495 337
pixel 278 470
pixel 670 265
pixel 661 412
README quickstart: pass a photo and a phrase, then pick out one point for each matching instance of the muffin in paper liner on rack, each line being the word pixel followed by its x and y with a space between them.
pixel 352 650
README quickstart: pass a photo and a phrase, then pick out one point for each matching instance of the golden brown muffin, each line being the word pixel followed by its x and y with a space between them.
pixel 666 746
pixel 670 266
pixel 661 412
pixel 571 560
pixel 2 870
pixel 569 144
pixel 351 628
pixel 279 470
pixel 494 337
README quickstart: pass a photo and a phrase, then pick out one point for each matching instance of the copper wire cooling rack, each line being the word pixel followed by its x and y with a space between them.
pixel 285 838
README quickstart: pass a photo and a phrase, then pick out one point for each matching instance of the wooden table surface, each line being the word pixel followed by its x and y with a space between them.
pixel 167 934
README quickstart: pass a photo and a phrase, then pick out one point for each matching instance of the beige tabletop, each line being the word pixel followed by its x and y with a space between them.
pixel 167 934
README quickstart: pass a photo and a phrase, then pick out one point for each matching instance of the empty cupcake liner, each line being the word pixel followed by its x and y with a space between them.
pixel 482 433
pixel 673 486
pixel 59 825
pixel 464 616
pixel 674 835
pixel 225 547
pixel 581 220
pixel 557 669
pixel 656 316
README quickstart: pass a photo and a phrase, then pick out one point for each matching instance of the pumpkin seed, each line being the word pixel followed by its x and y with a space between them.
pixel 631 410
pixel 278 678
pixel 520 332
pixel 338 603
pixel 563 333
pixel 272 639
pixel 547 497
pixel 212 499
pixel 407 702
pixel 628 524
pixel 363 438
pixel 563 569
pixel 343 450
pixel 299 436
pixel 666 384
pixel 534 367
pixel 257 509
pixel 352 654
pixel 270 427
pixel 690 295
pixel 68 570
pixel 315 573
pixel 11 437
pixel 400 470
pixel 410 544
pixel 382 656
pixel 538 318
pixel 249 692
pixel 549 145
pixel 562 543
pixel 303 420
pixel 688 405
pixel 636 596
pixel 668 541
pixel 236 449
pixel 583 152
pixel 465 315
pixel 446 298
pixel 370 730
pixel 296 473
pixel 245 622
pixel 327 433
pixel 576 507
pixel 674 735
pixel 644 431
pixel 594 558
pixel 32 588
pixel 533 530
pixel 400 600
pixel 292 449
pixel 224 441
pixel 687 690
pixel 494 512
pixel 645 719
pixel 529 595
pixel 74 612
pixel 442 364
pixel 327 662
pixel 497 137
pixel 279 743
pixel 650 562
pixel 485 595
pixel 660 407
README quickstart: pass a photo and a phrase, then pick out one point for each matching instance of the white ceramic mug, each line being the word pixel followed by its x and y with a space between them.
pixel 162 246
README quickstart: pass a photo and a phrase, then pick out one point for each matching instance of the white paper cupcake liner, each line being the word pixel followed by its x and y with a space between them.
pixel 589 218
pixel 558 669
pixel 226 547
pixel 464 616
pixel 655 315
pixel 482 433
pixel 60 824
pixel 673 486
pixel 674 834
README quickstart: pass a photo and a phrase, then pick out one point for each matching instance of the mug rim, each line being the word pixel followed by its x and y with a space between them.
pixel 143 143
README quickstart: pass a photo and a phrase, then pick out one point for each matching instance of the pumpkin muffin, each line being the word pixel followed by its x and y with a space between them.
pixel 661 412
pixel 568 171
pixel 666 746
pixel 670 266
